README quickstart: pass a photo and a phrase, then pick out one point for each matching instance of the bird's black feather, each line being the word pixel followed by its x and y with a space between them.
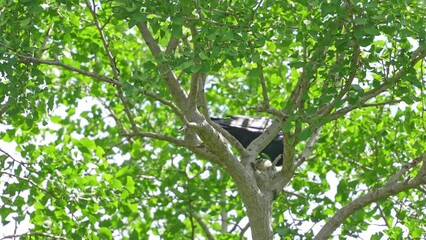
pixel 245 129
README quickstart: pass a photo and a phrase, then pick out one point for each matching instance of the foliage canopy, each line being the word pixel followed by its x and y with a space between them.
pixel 108 103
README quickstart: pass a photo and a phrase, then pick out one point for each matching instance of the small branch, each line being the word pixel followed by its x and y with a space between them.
pixel 157 136
pixel 391 102
pixel 354 67
pixel 14 159
pixel 371 94
pixel 244 230
pixel 113 65
pixel 29 234
pixel 308 148
pixel 165 102
pixel 406 168
pixel 26 180
pixel 4 108
pixel 92 9
pixel 382 215
pixel 68 67
pixel 171 46
pixel 359 165
pixel 43 44
pixel 125 103
pixel 264 89
pixel 203 225
pixel 211 21
pixel 300 196
pixel 270 110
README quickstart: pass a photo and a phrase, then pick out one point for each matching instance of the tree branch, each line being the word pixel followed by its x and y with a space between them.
pixel 203 225
pixel 231 139
pixel 391 188
pixel 416 56
pixel 26 180
pixel 4 108
pixel 29 234
pixel 68 67
pixel 166 103
pixel 257 145
pixel 175 141
pixel 264 88
pixel 173 84
pixel 308 148
pixel 171 46
pixel 92 9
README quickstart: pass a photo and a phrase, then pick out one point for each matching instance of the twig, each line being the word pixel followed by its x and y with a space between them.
pixel 382 215
pixel 14 159
pixel 27 180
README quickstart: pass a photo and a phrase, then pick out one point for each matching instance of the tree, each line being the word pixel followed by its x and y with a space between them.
pixel 109 103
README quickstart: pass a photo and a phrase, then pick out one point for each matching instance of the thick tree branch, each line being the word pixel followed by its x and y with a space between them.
pixel 391 188
pixel 255 147
pixel 173 84
pixel 194 90
pixel 231 139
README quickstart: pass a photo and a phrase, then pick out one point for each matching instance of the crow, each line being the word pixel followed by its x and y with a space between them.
pixel 245 129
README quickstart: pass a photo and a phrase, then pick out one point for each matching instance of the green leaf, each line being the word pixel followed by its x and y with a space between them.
pixel 305 133
pixel 105 233
pixel 130 184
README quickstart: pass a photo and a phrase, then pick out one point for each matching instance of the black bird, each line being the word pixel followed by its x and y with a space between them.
pixel 246 129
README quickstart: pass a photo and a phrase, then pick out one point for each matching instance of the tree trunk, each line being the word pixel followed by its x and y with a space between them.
pixel 258 205
pixel 259 212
